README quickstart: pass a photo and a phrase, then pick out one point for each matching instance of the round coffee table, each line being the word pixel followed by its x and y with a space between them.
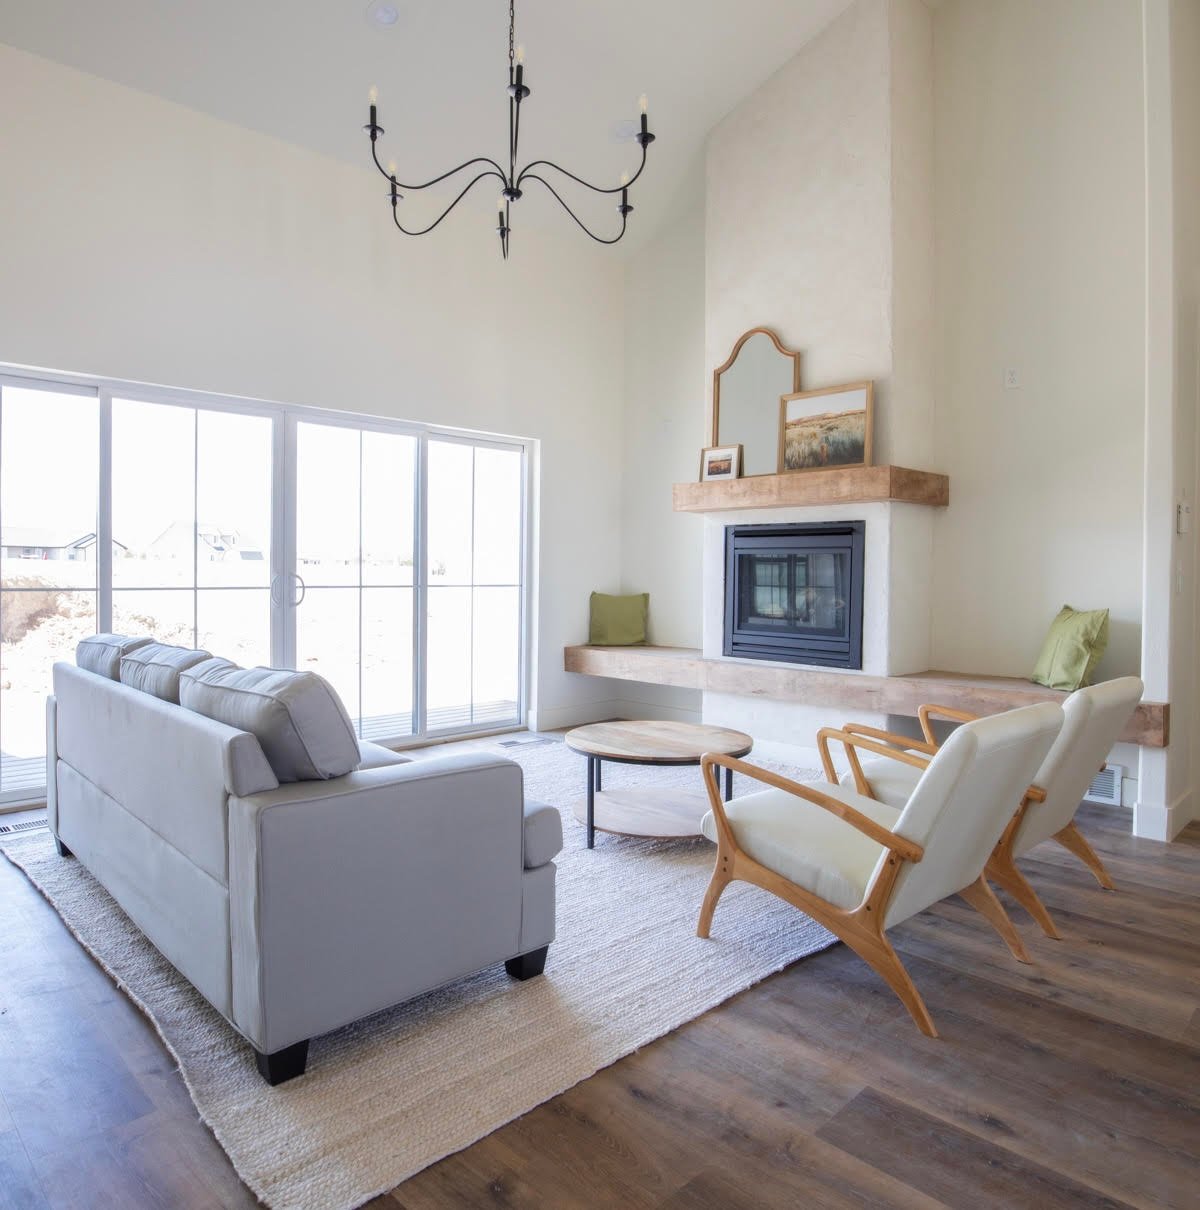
pixel 649 812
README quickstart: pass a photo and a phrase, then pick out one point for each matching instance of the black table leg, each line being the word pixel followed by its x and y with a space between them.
pixel 728 784
pixel 599 766
pixel 592 778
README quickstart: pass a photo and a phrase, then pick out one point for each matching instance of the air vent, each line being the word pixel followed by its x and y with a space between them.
pixel 26 825
pixel 1106 786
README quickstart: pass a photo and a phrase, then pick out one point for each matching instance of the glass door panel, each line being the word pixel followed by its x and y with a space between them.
pixel 49 488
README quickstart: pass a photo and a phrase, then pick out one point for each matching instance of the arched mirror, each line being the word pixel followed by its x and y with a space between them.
pixel 746 392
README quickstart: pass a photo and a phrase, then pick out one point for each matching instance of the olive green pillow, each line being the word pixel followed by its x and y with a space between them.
pixel 618 621
pixel 1072 649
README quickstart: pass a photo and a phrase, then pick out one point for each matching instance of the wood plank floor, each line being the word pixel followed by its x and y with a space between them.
pixel 1074 1082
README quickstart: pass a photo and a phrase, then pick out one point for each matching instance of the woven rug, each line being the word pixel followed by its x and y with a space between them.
pixel 386 1097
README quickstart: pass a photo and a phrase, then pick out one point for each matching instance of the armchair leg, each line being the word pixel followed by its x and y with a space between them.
pixel 526 966
pixel 285 1064
pixel 1002 870
pixel 983 899
pixel 1072 839
pixel 876 951
pixel 716 888
pixel 63 851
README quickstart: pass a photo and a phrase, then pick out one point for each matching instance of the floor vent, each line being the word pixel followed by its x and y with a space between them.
pixel 26 825
pixel 1106 786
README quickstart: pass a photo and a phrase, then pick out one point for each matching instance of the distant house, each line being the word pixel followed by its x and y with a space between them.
pixel 217 544
pixel 24 542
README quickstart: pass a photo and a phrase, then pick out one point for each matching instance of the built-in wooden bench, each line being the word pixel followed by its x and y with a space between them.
pixel 686 668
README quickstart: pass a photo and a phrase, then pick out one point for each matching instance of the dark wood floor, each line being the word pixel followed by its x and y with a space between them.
pixel 1074 1082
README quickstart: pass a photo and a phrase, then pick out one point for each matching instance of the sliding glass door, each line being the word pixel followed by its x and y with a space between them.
pixel 388 558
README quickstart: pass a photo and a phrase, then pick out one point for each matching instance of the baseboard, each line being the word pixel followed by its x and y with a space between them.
pixel 556 717
pixel 1163 821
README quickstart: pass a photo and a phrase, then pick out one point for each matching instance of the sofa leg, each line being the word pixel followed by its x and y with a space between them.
pixel 285 1064
pixel 526 966
pixel 63 851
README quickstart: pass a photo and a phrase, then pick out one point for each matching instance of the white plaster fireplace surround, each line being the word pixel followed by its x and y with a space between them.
pixel 897 605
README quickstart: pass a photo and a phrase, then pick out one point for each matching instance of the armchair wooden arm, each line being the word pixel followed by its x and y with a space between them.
pixel 906 742
pixel 850 740
pixel 930 710
pixel 907 849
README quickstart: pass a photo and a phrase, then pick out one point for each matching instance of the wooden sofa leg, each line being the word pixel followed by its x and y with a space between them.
pixel 527 966
pixel 63 851
pixel 285 1064
pixel 1071 839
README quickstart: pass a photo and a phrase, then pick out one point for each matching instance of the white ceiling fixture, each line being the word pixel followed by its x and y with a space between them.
pixel 383 16
pixel 295 70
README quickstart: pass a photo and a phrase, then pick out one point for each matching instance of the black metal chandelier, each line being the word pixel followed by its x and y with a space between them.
pixel 512 181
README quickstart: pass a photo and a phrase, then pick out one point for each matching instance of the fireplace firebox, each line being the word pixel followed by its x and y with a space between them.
pixel 795 593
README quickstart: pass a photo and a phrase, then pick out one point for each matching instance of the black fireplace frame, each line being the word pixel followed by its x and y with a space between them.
pixel 832 652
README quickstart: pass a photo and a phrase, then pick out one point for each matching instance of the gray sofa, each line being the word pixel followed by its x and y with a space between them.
pixel 295 907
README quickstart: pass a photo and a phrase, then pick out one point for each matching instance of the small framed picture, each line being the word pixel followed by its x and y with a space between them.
pixel 721 462
pixel 832 427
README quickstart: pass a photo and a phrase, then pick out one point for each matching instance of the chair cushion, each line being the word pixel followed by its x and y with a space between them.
pixel 298 718
pixel 807 844
pixel 375 756
pixel 543 834
pixel 154 668
pixel 892 781
pixel 101 653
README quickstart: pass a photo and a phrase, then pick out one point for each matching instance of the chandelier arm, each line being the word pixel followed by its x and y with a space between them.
pixel 533 176
pixel 579 179
pixel 466 189
pixel 479 159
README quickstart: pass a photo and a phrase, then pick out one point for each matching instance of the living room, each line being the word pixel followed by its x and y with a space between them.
pixel 446 487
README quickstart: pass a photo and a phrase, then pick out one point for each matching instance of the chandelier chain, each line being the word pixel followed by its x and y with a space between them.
pixel 512 32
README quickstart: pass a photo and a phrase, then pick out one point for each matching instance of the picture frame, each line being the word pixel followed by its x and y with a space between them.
pixel 718 462
pixel 827 429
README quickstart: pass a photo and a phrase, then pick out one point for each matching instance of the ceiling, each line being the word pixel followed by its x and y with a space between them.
pixel 300 71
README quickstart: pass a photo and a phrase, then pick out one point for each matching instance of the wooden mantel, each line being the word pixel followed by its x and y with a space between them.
pixel 686 668
pixel 848 485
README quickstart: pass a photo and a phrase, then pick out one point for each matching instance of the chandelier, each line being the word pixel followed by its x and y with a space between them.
pixel 512 181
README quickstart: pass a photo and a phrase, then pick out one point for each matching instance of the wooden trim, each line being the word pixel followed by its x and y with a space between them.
pixel 844 388
pixel 794 354
pixel 685 668
pixel 792 489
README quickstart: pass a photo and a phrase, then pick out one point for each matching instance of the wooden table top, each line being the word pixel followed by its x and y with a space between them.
pixel 656 742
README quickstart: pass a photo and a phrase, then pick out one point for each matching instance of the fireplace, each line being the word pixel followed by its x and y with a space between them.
pixel 795 593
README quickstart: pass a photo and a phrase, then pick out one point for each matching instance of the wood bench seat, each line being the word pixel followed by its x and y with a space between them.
pixel 686 668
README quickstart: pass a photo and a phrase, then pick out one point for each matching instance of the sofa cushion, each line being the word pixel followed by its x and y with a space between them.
pixel 101 653
pixel 297 717
pixel 154 668
pixel 543 834
pixel 375 756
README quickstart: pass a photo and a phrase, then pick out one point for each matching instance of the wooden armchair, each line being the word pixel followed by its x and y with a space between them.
pixel 858 866
pixel 1094 718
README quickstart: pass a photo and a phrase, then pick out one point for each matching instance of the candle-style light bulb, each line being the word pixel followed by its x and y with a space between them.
pixel 624 179
pixel 643 104
pixel 373 95
pixel 391 168
pixel 500 203
pixel 520 53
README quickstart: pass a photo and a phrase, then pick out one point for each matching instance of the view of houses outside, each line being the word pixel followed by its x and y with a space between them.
pixel 191 560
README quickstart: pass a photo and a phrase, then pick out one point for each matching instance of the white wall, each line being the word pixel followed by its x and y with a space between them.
pixel 149 242
pixel 1040 254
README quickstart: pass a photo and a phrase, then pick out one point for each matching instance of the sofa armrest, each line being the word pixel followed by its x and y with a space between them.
pixel 349 895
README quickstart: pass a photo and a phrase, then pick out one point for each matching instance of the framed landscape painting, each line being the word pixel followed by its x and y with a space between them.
pixel 832 427
pixel 720 462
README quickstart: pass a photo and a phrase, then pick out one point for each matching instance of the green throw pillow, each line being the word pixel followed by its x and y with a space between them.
pixel 618 621
pixel 1072 649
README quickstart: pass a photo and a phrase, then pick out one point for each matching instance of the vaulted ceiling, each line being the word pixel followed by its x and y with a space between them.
pixel 300 71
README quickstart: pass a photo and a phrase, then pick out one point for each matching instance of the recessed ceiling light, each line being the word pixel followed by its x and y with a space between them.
pixel 382 16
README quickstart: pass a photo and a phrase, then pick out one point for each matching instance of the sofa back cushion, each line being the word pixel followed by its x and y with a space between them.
pixel 297 717
pixel 101 653
pixel 154 668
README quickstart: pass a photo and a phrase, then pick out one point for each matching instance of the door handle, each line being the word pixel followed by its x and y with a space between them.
pixel 303 589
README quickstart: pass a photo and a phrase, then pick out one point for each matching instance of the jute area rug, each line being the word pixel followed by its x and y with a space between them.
pixel 386 1097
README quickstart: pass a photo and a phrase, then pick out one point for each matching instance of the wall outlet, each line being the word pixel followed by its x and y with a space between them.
pixel 1012 380
pixel 1183 517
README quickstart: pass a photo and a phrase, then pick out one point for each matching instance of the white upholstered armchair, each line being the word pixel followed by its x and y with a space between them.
pixel 859 866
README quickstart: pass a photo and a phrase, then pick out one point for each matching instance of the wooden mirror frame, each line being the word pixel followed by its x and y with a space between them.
pixel 794 354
